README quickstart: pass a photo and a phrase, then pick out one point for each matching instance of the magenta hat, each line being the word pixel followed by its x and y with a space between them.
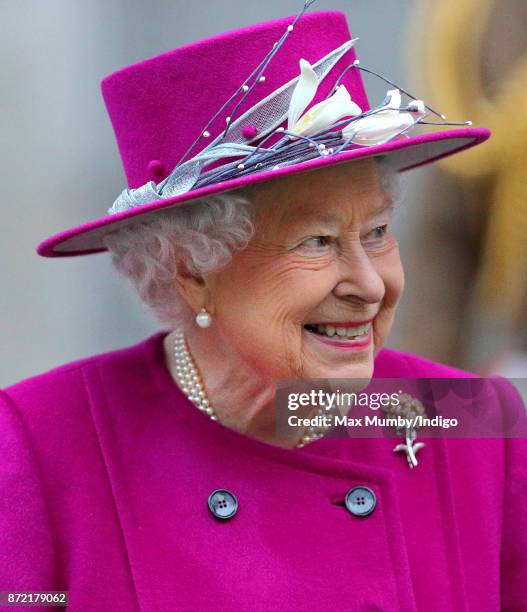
pixel 249 106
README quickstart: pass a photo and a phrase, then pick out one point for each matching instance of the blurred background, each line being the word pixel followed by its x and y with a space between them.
pixel 462 227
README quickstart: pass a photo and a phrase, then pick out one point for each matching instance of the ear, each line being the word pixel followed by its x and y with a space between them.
pixel 194 289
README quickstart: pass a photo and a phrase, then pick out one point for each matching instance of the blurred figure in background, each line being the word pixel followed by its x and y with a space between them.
pixel 472 59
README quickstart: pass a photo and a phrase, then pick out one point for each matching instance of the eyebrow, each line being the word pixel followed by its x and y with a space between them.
pixel 330 218
pixel 388 205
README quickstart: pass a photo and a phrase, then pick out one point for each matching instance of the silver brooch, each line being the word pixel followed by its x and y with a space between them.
pixel 408 408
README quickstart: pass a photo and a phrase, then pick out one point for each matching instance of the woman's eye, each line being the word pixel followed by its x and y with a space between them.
pixel 316 242
pixel 379 232
pixel 378 237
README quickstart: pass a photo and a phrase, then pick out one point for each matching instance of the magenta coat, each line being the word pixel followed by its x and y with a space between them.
pixel 106 468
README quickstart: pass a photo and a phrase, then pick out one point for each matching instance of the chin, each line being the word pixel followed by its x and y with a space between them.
pixel 362 369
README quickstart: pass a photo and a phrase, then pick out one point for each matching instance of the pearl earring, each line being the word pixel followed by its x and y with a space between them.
pixel 203 318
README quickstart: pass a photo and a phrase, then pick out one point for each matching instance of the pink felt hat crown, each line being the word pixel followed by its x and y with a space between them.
pixel 168 112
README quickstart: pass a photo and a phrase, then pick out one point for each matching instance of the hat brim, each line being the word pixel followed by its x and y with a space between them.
pixel 404 154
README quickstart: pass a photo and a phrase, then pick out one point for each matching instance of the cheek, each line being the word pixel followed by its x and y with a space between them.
pixel 261 307
pixel 393 275
pixel 391 271
pixel 282 290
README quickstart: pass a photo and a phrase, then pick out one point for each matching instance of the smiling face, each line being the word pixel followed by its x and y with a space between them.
pixel 313 295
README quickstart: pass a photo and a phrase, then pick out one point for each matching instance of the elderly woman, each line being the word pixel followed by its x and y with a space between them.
pixel 154 477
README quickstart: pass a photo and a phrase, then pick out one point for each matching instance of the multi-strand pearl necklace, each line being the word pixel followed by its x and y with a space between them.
pixel 189 380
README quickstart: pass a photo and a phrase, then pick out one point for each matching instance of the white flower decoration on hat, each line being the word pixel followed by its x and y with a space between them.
pixel 256 141
pixel 322 115
pixel 386 122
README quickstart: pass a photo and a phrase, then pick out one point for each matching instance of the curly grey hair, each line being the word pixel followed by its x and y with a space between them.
pixel 198 236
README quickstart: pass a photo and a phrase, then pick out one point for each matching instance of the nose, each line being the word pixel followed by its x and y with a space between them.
pixel 359 280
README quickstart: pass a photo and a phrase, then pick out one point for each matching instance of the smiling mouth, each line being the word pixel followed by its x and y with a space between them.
pixel 340 332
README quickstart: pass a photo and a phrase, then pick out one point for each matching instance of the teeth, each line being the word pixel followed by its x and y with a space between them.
pixel 348 332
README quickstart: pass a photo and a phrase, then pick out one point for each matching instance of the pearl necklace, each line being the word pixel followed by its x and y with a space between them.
pixel 190 382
